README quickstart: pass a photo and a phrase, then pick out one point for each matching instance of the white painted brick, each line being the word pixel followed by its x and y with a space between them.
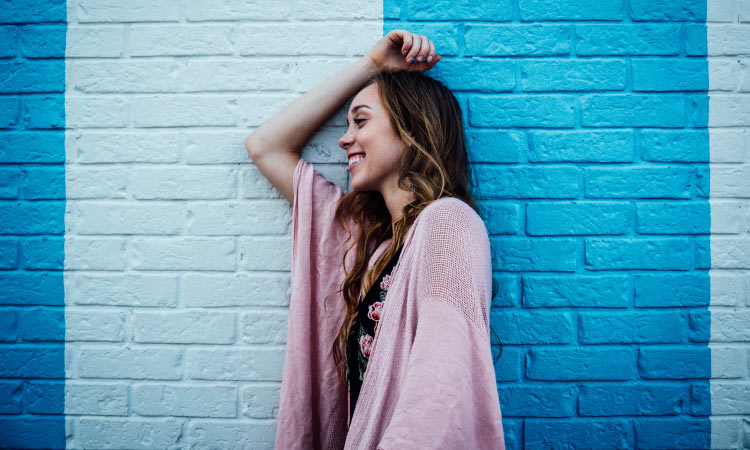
pixel 147 362
pixel 340 39
pixel 722 74
pixel 96 182
pixel 734 325
pixel 96 399
pixel 726 145
pixel 212 147
pixel 239 10
pixel 265 253
pixel 744 75
pixel 183 111
pixel 261 401
pixel 721 11
pixel 255 185
pixel 728 40
pixel 316 70
pixel 725 432
pixel 729 398
pixel 730 253
pixel 221 75
pixel 183 253
pixel 264 327
pixel 163 218
pixel 730 181
pixel 129 147
pixel 95 112
pixel 122 289
pixel 340 10
pixel 245 364
pixel 184 327
pixel 95 254
pixel 180 40
pixel 132 433
pixel 91 325
pixel 127 10
pixel 183 183
pixel 729 110
pixel 727 217
pixel 243 435
pixel 255 109
pixel 185 400
pixel 727 362
pixel 125 76
pixel 199 290
pixel 727 289
pixel 94 41
pixel 744 11
pixel 238 218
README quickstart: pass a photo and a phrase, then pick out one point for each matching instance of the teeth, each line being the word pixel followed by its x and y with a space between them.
pixel 355 159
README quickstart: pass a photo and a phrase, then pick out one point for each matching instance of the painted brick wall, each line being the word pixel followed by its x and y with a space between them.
pixel 615 191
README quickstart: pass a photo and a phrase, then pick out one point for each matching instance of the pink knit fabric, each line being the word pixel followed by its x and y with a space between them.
pixel 430 382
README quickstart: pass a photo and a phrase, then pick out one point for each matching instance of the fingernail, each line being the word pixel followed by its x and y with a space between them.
pixel 429 58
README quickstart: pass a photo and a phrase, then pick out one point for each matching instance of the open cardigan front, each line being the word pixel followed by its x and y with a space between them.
pixel 430 382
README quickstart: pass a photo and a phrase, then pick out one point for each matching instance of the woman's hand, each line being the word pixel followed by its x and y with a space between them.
pixel 397 49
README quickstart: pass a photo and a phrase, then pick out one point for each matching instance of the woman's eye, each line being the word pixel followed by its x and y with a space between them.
pixel 357 121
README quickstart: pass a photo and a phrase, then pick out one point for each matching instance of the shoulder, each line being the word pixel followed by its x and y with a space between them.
pixel 450 216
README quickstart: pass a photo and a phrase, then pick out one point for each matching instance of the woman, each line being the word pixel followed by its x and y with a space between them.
pixel 413 232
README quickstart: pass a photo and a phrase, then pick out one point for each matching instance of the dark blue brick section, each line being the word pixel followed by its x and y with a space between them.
pixel 586 125
pixel 32 224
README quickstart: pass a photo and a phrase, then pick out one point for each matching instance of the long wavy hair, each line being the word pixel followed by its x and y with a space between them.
pixel 428 119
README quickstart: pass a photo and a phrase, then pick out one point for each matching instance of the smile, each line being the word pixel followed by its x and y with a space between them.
pixel 355 159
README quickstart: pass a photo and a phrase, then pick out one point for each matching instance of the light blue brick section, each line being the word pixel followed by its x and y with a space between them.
pixel 586 124
pixel 32 207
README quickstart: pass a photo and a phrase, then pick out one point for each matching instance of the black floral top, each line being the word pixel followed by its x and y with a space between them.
pixel 363 331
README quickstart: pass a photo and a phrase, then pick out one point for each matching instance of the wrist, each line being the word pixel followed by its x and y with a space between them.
pixel 369 65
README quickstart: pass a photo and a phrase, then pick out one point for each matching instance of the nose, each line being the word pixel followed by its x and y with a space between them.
pixel 346 140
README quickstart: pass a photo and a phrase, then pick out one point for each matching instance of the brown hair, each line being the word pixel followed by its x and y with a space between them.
pixel 428 119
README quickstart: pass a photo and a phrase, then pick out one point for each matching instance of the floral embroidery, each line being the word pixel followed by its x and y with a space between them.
pixel 374 311
pixel 365 344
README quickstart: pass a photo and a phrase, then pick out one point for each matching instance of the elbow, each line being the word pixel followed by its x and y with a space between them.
pixel 249 146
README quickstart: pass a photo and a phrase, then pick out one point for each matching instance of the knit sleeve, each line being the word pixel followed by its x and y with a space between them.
pixel 448 398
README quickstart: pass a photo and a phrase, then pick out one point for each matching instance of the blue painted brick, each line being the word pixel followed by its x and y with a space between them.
pixel 460 74
pixel 501 218
pixel 33 432
pixel 531 10
pixel 513 433
pixel 36 361
pixel 673 218
pixel 631 400
pixel 555 434
pixel 10 180
pixel 697 111
pixel 32 147
pixel 640 182
pixel 10 393
pixel 496 146
pixel 8 254
pixel 527 182
pixel 533 327
pixel 9 38
pixel 668 10
pixel 700 325
pixel 702 182
pixel 670 74
pixel 700 400
pixel 31 288
pixel 633 110
pixel 669 291
pixel 523 254
pixel 32 218
pixel 673 434
pixel 576 218
pixel 673 146
pixel 550 291
pixel 41 324
pixel 45 397
pixel 702 252
pixel 581 146
pixel 43 41
pixel 29 11
pixel 7 326
pixel 573 75
pixel 674 363
pixel 630 328
pixel 507 291
pixel 496 10
pixel 580 363
pixel 8 111
pixel 696 43
pixel 44 112
pixel 544 111
pixel 538 401
pixel 611 39
pixel 642 253
pixel 508 365
pixel 45 76
pixel 44 183
pixel 517 40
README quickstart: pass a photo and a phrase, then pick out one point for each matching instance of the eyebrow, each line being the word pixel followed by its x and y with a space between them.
pixel 354 110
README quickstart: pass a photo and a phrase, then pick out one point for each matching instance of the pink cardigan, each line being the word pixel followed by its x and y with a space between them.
pixel 430 382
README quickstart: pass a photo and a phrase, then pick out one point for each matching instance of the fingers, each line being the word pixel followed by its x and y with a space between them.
pixel 414 50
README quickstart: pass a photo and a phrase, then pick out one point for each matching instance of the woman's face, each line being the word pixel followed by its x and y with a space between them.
pixel 369 132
